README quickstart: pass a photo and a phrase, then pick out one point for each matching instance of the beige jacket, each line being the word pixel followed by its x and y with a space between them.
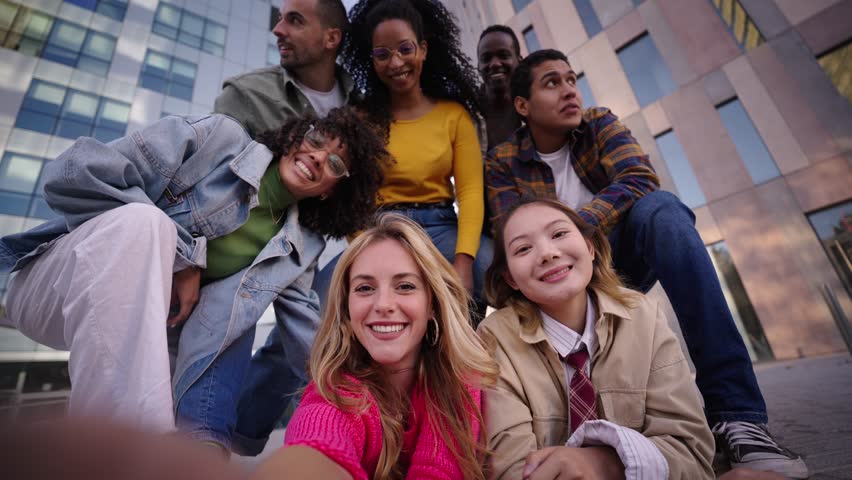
pixel 641 378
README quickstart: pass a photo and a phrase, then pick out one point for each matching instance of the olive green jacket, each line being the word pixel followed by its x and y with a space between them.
pixel 267 98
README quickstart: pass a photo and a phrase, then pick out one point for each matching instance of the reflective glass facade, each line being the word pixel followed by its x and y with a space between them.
pixel 646 70
pixel 168 75
pixel 190 29
pixel 689 190
pixel 750 146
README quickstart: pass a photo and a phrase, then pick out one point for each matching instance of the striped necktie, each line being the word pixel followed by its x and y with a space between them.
pixel 581 391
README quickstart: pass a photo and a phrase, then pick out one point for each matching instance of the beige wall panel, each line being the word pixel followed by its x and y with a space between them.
pixel 701 34
pixel 606 78
pixel 711 152
pixel 718 87
pixel 822 184
pixel 611 11
pixel 503 10
pixel 787 96
pixel 639 129
pixel 629 27
pixel 566 28
pixel 767 16
pixel 706 225
pixel 767 119
pixel 542 26
pixel 656 118
pixel 667 41
pixel 797 11
pixel 828 29
pixel 782 266
pixel 519 23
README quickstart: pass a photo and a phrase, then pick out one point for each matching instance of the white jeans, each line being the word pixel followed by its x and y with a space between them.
pixel 103 293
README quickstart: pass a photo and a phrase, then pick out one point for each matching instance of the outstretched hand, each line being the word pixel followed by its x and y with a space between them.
pixel 570 463
pixel 186 285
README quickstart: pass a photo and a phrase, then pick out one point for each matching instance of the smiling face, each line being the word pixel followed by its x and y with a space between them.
pixel 547 257
pixel 389 304
pixel 305 171
pixel 554 103
pixel 400 73
pixel 497 60
pixel 302 38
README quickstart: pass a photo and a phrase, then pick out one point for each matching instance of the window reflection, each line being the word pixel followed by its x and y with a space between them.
pixel 645 69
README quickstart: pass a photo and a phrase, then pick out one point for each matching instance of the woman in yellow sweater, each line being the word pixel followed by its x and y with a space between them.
pixel 420 89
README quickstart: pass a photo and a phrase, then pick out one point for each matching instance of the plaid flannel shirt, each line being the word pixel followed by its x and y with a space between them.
pixel 604 155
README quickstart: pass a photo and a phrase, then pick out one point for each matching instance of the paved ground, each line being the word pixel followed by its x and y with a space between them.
pixel 810 409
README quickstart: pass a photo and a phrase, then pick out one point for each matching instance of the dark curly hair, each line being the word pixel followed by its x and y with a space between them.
pixel 352 203
pixel 447 72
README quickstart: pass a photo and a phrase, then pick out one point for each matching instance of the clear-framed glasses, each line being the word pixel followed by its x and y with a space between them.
pixel 404 50
pixel 317 141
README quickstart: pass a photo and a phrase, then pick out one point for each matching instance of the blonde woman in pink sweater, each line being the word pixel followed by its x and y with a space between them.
pixel 396 366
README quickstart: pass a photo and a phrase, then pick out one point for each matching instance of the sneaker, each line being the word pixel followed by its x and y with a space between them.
pixel 750 445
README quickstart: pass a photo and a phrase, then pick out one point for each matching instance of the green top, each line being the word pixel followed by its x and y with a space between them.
pixel 231 253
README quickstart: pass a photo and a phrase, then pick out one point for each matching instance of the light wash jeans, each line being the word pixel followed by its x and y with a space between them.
pixel 102 292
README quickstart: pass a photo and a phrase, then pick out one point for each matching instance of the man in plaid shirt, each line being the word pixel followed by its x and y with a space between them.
pixel 588 160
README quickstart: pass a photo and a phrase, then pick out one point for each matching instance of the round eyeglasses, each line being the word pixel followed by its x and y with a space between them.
pixel 317 141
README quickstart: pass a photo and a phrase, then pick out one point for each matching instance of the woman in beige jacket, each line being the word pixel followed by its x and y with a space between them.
pixel 558 295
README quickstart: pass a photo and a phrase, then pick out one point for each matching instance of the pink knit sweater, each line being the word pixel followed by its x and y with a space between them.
pixel 355 441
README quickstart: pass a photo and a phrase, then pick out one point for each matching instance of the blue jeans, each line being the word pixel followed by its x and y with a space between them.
pixel 206 409
pixel 658 241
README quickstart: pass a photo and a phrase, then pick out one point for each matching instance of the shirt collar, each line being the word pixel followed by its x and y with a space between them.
pixel 527 151
pixel 566 341
pixel 343 79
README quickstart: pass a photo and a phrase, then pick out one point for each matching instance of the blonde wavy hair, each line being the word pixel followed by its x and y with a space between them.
pixel 604 277
pixel 458 359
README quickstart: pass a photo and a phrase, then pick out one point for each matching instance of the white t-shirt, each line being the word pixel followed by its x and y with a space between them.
pixel 569 189
pixel 323 101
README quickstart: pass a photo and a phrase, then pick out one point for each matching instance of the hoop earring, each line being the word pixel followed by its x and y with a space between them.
pixel 434 340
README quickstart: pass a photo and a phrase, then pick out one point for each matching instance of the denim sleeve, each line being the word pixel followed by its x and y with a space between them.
pixel 297 314
pixel 91 177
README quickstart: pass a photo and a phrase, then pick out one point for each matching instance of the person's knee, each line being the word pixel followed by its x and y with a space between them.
pixel 143 222
pixel 660 206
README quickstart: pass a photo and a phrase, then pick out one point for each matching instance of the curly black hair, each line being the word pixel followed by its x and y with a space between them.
pixel 447 72
pixel 352 203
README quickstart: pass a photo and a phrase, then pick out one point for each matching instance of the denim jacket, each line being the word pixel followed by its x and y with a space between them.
pixel 204 172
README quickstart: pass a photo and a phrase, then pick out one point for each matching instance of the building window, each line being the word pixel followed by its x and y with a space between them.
pixel 274 17
pixel 833 227
pixel 683 176
pixel 189 29
pixel 647 72
pixel 520 4
pixel 531 40
pixel 585 91
pixel 37 34
pixel 837 64
pixel 636 3
pixel 750 146
pixel 273 56
pixel 56 110
pixel 114 9
pixel 588 16
pixel 21 187
pixel 742 27
pixel 168 75
pixel 739 304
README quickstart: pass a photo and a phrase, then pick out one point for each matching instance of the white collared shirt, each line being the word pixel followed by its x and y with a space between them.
pixel 641 458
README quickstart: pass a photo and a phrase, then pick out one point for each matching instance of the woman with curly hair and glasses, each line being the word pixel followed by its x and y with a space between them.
pixel 191 224
pixel 396 368
pixel 421 90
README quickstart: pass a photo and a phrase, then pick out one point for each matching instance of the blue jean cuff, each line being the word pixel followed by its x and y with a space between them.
pixel 202 435
pixel 751 417
pixel 247 446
